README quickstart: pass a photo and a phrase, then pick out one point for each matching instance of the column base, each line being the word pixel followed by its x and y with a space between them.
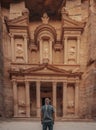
pixel 28 116
pixel 70 117
pixel 15 116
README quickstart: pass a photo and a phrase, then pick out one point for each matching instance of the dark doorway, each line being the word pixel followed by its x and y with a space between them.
pixel 46 92
pixel 43 100
pixel 33 99
pixel 59 99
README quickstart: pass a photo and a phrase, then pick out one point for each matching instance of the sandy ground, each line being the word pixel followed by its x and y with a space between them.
pixel 28 125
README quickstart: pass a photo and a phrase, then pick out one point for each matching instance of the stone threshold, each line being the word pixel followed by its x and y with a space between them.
pixel 38 119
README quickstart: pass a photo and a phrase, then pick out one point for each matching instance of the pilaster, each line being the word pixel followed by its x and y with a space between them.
pixel 38 97
pixel 27 92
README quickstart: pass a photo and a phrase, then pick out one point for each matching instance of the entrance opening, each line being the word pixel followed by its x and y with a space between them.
pixel 43 100
pixel 59 99
pixel 46 92
pixel 33 99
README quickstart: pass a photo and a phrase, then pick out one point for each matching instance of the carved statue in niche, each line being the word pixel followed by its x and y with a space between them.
pixel 19 50
pixel 45 18
pixel 46 52
pixel 21 106
pixel 72 54
pixel 70 104
pixel 45 49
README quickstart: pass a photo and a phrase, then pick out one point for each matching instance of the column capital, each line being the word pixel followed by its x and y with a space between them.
pixel 39 39
pixel 66 37
pixel 25 36
pixel 14 81
pixel 79 37
pixel 26 81
pixel 38 82
pixel 77 82
pixel 65 82
pixel 11 35
pixel 54 82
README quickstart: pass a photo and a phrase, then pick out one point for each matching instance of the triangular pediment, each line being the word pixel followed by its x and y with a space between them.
pixel 47 69
pixel 70 23
pixel 20 21
pixel 44 70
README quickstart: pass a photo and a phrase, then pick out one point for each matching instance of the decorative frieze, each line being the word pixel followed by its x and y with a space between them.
pixel 33 47
pixel 58 46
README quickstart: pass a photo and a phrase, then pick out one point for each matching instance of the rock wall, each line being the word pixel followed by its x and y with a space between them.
pixel 87 91
pixel 89 78
pixel 8 93
pixel 74 9
pixel 1 69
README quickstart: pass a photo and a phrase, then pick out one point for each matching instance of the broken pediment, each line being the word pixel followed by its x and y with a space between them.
pixel 69 24
pixel 22 20
pixel 16 23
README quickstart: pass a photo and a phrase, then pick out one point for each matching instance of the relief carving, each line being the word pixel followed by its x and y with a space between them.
pixel 21 105
pixel 72 52
pixel 70 104
pixel 45 18
pixel 19 50
pixel 46 51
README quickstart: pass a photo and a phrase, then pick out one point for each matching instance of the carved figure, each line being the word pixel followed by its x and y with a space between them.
pixel 45 18
pixel 72 52
pixel 46 52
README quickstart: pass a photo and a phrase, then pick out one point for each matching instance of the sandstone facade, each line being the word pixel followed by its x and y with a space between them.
pixel 49 58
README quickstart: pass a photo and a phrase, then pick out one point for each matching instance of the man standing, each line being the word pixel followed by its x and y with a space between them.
pixel 47 115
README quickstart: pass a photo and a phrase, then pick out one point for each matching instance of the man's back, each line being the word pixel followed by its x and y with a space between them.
pixel 47 111
pixel 47 115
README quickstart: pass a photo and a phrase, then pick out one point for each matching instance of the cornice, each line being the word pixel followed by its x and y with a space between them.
pixel 47 68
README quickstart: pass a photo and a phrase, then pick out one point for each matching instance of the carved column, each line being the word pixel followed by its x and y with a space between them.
pixel 64 99
pixel 25 45
pixel 41 56
pixel 78 49
pixel 65 50
pixel 76 97
pixel 27 92
pixel 50 57
pixel 54 96
pixel 15 98
pixel 12 47
pixel 38 97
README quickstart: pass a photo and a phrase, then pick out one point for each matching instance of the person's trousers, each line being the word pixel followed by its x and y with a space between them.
pixel 48 125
